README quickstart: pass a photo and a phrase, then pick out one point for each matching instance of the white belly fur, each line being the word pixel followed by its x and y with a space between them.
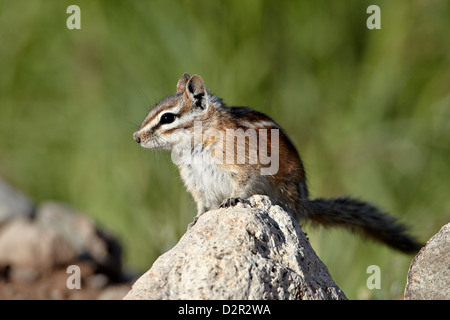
pixel 208 183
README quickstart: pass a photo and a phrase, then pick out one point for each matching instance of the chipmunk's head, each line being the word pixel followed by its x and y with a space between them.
pixel 172 120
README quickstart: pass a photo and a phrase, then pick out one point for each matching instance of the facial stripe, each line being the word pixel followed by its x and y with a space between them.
pixel 153 122
pixel 185 121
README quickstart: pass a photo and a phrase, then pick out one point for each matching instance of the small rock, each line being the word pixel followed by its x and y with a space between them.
pixel 37 246
pixel 89 242
pixel 429 273
pixel 27 246
pixel 97 281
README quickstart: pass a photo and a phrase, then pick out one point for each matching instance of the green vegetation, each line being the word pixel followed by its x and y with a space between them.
pixel 369 110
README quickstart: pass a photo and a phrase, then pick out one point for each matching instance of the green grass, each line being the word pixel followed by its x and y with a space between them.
pixel 368 110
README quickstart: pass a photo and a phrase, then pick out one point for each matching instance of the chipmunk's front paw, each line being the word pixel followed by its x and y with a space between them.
pixel 231 202
pixel 190 225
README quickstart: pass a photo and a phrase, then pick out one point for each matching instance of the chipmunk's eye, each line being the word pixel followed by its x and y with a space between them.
pixel 167 118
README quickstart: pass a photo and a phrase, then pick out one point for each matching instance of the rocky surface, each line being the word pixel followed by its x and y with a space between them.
pixel 250 251
pixel 38 244
pixel 429 273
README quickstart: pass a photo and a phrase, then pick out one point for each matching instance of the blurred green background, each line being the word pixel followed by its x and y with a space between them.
pixel 369 110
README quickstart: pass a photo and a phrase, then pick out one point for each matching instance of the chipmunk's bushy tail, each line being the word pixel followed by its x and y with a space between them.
pixel 364 218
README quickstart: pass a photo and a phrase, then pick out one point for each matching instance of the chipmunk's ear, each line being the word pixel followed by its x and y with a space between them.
pixel 196 91
pixel 181 85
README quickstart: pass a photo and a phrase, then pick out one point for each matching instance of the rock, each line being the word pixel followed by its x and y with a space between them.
pixel 250 251
pixel 13 204
pixel 38 244
pixel 429 273
pixel 30 249
pixel 88 241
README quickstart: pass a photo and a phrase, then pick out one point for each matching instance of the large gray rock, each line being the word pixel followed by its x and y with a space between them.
pixel 429 273
pixel 255 251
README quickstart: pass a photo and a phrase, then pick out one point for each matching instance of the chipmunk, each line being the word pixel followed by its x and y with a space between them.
pixel 223 163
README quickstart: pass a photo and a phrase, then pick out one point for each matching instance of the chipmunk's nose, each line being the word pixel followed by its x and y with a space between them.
pixel 137 137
